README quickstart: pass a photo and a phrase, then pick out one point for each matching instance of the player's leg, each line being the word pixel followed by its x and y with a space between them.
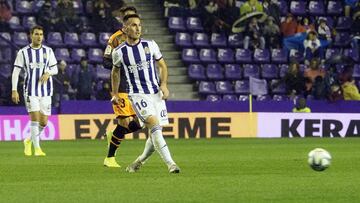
pixel 148 151
pixel 33 107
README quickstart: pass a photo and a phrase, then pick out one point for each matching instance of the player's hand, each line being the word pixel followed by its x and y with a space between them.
pixel 115 99
pixel 44 78
pixel 165 91
pixel 15 96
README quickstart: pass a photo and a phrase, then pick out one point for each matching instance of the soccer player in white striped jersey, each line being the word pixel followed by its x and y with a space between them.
pixel 147 93
pixel 39 65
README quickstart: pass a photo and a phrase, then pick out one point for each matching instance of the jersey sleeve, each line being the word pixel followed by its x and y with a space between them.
pixel 116 59
pixel 156 50
pixel 52 59
pixel 20 61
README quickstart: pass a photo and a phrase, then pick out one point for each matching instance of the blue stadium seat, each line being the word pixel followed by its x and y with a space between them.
pixel 54 39
pixel 242 87
pixel 200 40
pixel 244 98
pixel 23 7
pixel 233 72
pixel 104 38
pixel 206 87
pixel 218 40
pixel 229 97
pixel 269 71
pixel 316 8
pixel 251 70
pixel 279 56
pixel 88 39
pixel 225 56
pixel 71 39
pixel 176 24
pixel 28 22
pixel 95 55
pixel 183 39
pixel 213 98
pixel 207 56
pixel 343 23
pixel 196 72
pixel 235 40
pixel 261 56
pixel 214 72
pixel 298 8
pixel 224 87
pixel 62 54
pixel 77 54
pixel 190 56
pixel 193 24
pixel 20 39
pixel 243 56
pixel 334 8
pixel 15 24
pixel 7 36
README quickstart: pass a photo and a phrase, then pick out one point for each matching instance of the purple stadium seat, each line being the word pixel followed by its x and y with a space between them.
pixel 23 7
pixel 5 55
pixel 207 56
pixel 330 52
pixel 62 54
pixel 280 88
pixel 283 70
pixel 243 56
pixel 7 36
pixel 279 56
pixel 356 73
pixel 218 40
pixel 71 39
pixel 343 23
pixel 200 40
pixel 190 56
pixel 213 98
pixel 77 54
pixel 298 8
pixel 206 87
pixel 214 72
pixel 225 56
pixel 233 72
pixel 72 69
pixel 352 53
pixel 330 21
pixel 244 98
pixel 196 72
pixel 176 24
pixel 277 97
pixel 78 6
pixel 269 71
pixel 235 40
pixel 224 87
pixel 263 98
pixel 15 25
pixel 284 7
pixel 28 22
pixel 88 39
pixel 334 8
pixel 251 70
pixel 102 73
pixel 230 97
pixel 342 39
pixel 261 56
pixel 6 70
pixel 95 55
pixel 183 39
pixel 104 38
pixel 316 8
pixel 20 39
pixel 193 24
pixel 242 87
pixel 54 39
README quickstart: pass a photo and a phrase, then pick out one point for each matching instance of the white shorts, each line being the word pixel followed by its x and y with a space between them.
pixel 146 105
pixel 42 104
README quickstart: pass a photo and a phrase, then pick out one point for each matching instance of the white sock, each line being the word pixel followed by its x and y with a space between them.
pixel 41 129
pixel 160 145
pixel 34 131
pixel 148 150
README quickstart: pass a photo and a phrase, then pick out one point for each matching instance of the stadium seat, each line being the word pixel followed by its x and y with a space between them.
pixel 330 52
pixel 316 8
pixel 28 22
pixel 200 40
pixel 5 55
pixel 206 87
pixel 342 39
pixel 251 70
pixel 54 39
pixel 214 72
pixel 88 39
pixel 233 72
pixel 20 39
pixel 62 54
pixel 6 70
pixel 176 24
pixel 193 24
pixel 72 69
pixel 77 54
pixel 183 39
pixel 235 40
pixel 261 56
pixel 102 73
pixel 7 36
pixel 284 7
pixel 334 8
pixel 190 56
pixel 213 98
pixel 207 56
pixel 356 73
pixel 243 56
pixel 104 38
pixel 15 25
pixel 224 87
pixel 23 7
pixel 277 97
pixel 71 39
pixel 229 97
pixel 95 55
pixel 298 8
pixel 242 87
pixel 280 87
pixel 279 56
pixel 225 55
pixel 283 70
pixel 352 53
pixel 218 40
pixel 269 71
pixel 196 72
pixel 263 98
pixel 343 23
pixel 244 98
pixel 78 6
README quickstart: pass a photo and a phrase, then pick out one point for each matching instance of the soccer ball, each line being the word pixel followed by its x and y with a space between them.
pixel 319 159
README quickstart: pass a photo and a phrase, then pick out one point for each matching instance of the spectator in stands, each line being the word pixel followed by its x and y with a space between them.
pixel 288 27
pixel 301 107
pixel 62 83
pixel 5 15
pixel 305 26
pixel 273 10
pixel 332 83
pixel 319 89
pixel 47 17
pixel 210 15
pixel 272 33
pixel 355 28
pixel 254 35
pixel 69 20
pixel 251 6
pixel 324 30
pixel 85 81
pixel 294 80
pixel 102 18
pixel 312 47
pixel 104 93
pixel 351 92
pixel 312 73
pixel 350 4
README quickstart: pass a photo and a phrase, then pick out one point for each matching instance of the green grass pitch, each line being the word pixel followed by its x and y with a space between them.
pixel 213 170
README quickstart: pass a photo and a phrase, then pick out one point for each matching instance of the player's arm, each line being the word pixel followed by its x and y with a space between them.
pixel 163 77
pixel 115 82
pixel 107 60
pixel 52 70
pixel 18 65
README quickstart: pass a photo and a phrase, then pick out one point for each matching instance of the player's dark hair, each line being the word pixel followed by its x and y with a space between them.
pixel 36 27
pixel 127 17
pixel 127 8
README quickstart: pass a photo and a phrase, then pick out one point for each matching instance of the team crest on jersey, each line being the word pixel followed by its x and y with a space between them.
pixel 147 50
